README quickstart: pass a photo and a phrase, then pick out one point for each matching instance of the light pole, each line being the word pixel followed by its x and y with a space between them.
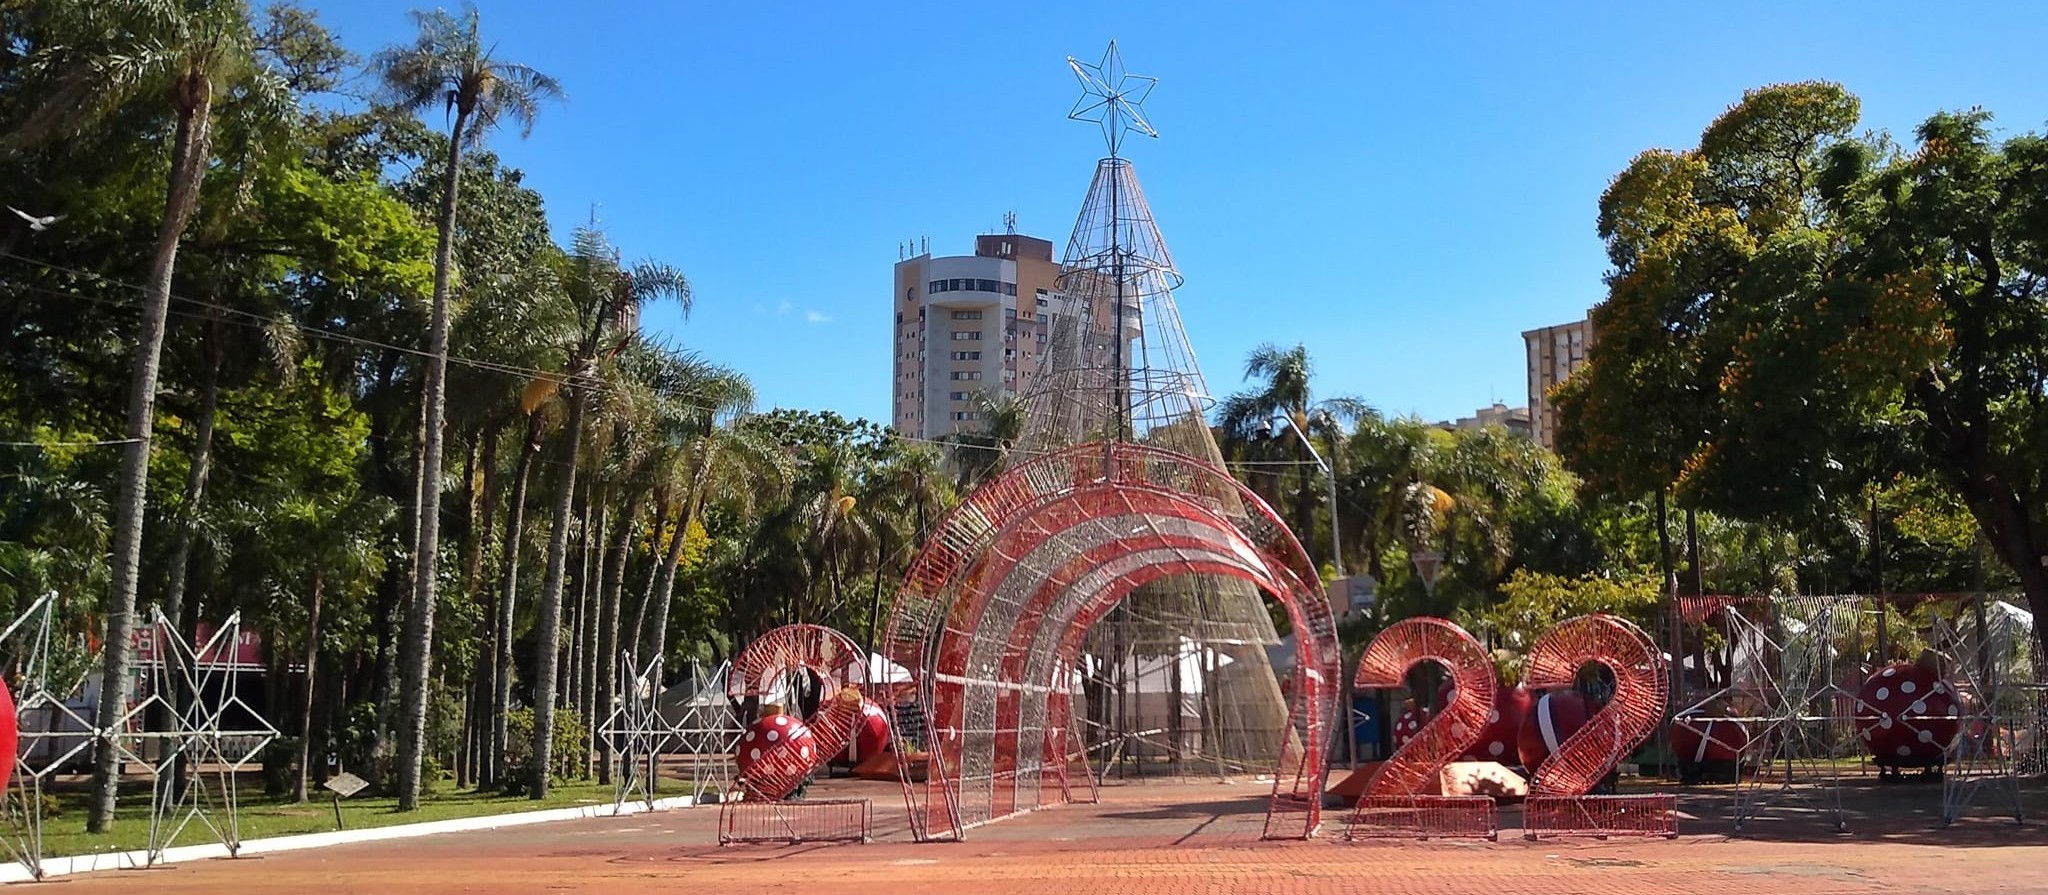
pixel 1336 542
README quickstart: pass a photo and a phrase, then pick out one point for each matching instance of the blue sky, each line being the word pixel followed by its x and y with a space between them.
pixel 1402 188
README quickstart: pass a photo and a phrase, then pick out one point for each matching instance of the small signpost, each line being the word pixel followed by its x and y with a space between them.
pixel 343 785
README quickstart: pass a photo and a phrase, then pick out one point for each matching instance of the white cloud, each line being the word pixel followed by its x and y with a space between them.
pixel 783 309
pixel 816 317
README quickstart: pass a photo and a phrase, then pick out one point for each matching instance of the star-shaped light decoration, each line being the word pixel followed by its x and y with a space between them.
pixel 1112 97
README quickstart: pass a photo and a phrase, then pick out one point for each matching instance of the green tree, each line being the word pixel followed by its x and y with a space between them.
pixel 603 292
pixel 97 61
pixel 448 65
pixel 1284 389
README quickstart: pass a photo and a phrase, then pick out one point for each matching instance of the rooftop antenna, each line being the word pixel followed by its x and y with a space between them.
pixel 594 206
pixel 1010 222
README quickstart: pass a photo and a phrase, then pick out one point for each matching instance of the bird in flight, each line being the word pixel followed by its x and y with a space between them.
pixel 36 224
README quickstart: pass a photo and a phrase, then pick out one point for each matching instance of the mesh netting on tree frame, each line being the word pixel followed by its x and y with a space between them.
pixel 994 613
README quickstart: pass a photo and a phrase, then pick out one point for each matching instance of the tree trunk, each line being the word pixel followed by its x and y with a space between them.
pixel 613 589
pixel 654 638
pixel 508 601
pixel 306 703
pixel 195 493
pixel 548 630
pixel 483 519
pixel 181 553
pixel 190 147
pixel 1664 560
pixel 661 522
pixel 418 651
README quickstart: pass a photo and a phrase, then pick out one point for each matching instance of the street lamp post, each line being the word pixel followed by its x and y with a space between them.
pixel 1336 542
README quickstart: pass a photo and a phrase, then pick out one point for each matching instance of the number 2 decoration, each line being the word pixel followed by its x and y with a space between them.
pixel 1412 774
pixel 1628 718
pixel 1415 768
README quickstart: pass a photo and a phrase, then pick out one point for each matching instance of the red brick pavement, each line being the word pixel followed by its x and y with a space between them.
pixel 1151 840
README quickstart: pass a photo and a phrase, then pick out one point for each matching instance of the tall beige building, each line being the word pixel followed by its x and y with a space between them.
pixel 1555 353
pixel 968 324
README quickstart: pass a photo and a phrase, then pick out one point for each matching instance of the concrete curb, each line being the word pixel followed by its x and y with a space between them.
pixel 15 872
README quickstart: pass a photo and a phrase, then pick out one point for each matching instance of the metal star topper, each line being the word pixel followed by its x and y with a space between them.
pixel 1112 97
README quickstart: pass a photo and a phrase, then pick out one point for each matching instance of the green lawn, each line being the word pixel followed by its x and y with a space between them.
pixel 263 817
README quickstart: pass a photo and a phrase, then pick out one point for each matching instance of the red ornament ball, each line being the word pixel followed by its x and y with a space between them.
pixel 1699 740
pixel 1497 740
pixel 870 733
pixel 775 755
pixel 1409 724
pixel 10 735
pixel 1906 716
pixel 1553 719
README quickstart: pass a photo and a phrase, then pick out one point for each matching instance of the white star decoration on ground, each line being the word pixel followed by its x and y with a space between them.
pixel 1112 98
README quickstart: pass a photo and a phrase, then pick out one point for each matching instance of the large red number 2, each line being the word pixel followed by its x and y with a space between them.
pixel 1627 719
pixel 1416 767
pixel 1557 789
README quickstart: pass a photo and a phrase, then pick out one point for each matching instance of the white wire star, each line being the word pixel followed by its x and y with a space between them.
pixel 1112 98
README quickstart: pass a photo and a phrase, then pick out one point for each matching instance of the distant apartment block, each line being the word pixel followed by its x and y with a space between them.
pixel 1555 353
pixel 1513 419
pixel 966 324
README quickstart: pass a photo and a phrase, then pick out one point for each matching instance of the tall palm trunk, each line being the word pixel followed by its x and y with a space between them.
pixel 181 552
pixel 418 653
pixel 606 678
pixel 654 637
pixel 195 492
pixel 190 146
pixel 508 601
pixel 662 519
pixel 548 630
pixel 306 700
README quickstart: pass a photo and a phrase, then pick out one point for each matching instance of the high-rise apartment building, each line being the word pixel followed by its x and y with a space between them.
pixel 1555 353
pixel 967 324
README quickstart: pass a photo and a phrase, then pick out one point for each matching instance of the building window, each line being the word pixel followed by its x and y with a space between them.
pixel 1009 352
pixel 959 396
pixel 1009 313
pixel 935 286
pixel 966 375
pixel 957 284
pixel 967 355
pixel 967 335
pixel 1042 302
pixel 965 415
pixel 966 315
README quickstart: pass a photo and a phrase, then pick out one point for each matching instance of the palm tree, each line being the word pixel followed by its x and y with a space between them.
pixel 710 462
pixel 901 500
pixel 166 55
pixel 603 292
pixel 982 452
pixel 525 322
pixel 1284 390
pixel 448 66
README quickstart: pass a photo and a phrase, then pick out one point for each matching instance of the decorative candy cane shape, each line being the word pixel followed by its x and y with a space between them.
pixel 779 752
pixel 1623 723
pixel 1417 767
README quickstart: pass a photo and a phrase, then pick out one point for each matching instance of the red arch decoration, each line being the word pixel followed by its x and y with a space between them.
pixel 993 613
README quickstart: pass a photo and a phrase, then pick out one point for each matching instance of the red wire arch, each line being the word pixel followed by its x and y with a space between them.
pixel 993 612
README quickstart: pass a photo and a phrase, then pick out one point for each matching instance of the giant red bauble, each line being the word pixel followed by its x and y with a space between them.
pixel 774 756
pixel 870 734
pixel 1497 740
pixel 1906 716
pixel 10 735
pixel 1698 740
pixel 1556 715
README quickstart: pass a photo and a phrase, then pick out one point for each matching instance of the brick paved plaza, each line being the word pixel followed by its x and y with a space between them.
pixel 1155 839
